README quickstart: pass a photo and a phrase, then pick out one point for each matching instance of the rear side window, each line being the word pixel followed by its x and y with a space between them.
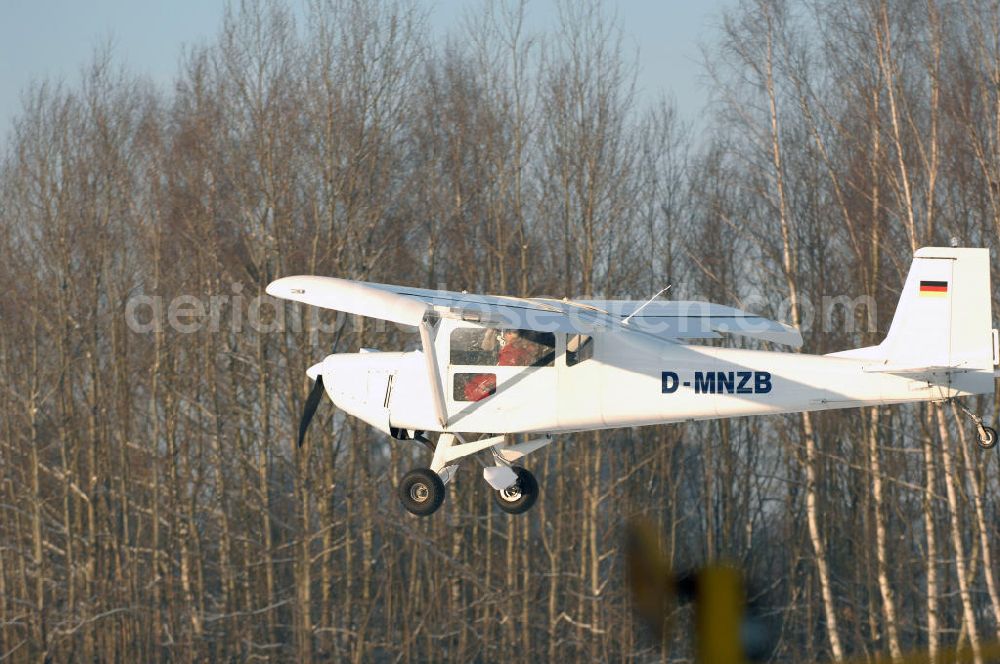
pixel 579 347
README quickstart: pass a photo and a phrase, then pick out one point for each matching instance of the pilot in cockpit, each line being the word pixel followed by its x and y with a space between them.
pixel 516 350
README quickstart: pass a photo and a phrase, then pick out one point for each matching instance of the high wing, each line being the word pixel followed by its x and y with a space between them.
pixel 352 297
pixel 688 319
pixel 410 306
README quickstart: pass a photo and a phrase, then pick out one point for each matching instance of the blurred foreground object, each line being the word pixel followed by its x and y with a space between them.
pixel 650 580
pixel 725 632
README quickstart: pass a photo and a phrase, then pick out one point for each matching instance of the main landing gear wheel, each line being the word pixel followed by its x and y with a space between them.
pixel 519 497
pixel 987 438
pixel 421 491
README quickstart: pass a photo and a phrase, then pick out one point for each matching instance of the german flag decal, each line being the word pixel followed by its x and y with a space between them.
pixel 933 289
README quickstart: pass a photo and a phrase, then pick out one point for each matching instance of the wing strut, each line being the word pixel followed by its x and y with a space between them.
pixel 427 324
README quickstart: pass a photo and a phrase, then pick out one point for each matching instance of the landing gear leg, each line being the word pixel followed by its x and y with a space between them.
pixel 987 435
pixel 515 489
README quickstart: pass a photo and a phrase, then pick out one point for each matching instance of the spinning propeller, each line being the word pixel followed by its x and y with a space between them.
pixel 310 408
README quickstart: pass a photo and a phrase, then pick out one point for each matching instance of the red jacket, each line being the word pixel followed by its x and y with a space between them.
pixel 483 385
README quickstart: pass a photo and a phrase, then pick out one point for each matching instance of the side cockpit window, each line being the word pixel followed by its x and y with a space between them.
pixel 527 348
pixel 579 347
pixel 502 347
pixel 474 346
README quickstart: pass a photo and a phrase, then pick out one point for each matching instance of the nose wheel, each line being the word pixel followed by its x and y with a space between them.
pixel 421 491
pixel 520 496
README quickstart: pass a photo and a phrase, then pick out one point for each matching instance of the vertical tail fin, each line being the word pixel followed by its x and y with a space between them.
pixel 944 317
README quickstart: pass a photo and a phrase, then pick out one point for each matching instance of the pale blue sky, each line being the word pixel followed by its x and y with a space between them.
pixel 54 39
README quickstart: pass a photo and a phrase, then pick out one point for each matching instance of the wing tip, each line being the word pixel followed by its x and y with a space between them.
pixel 287 287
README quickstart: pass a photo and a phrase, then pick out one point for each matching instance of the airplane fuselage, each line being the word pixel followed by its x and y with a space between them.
pixel 491 365
pixel 629 380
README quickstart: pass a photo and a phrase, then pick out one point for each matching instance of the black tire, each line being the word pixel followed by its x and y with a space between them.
pixel 421 491
pixel 520 497
pixel 990 440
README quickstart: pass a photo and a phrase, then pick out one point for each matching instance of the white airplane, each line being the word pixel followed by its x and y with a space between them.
pixel 491 366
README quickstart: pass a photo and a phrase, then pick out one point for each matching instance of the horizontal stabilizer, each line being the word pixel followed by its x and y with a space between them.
pixel 914 372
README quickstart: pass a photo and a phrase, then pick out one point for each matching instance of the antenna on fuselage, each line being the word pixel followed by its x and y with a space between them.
pixel 646 304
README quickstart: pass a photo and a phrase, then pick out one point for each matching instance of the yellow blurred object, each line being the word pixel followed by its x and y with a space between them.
pixel 717 595
pixel 719 602
pixel 650 578
pixel 989 652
